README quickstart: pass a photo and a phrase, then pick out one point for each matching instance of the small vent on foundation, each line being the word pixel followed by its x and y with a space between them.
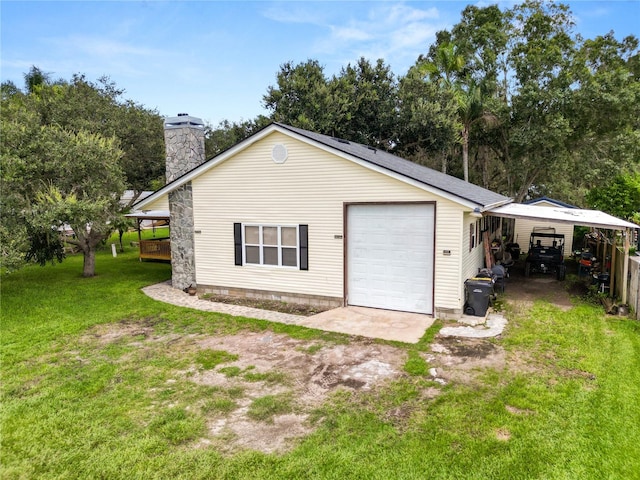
pixel 279 153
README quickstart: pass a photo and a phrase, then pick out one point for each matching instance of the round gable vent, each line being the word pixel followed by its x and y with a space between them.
pixel 279 153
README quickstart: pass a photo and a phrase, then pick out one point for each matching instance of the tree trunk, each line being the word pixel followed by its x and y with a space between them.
pixel 88 243
pixel 483 156
pixel 89 266
pixel 465 152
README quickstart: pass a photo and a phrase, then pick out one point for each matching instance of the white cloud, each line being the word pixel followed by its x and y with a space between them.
pixel 290 12
pixel 347 34
pixel 103 47
pixel 401 13
pixel 395 32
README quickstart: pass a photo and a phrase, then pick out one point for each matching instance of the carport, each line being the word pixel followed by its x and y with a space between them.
pixel 157 248
pixel 575 216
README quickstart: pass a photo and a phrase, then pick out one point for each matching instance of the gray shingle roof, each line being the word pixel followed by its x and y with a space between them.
pixel 432 178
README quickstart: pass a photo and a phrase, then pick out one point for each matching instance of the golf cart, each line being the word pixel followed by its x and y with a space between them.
pixel 546 254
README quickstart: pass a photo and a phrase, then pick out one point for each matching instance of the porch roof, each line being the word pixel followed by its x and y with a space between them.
pixel 150 215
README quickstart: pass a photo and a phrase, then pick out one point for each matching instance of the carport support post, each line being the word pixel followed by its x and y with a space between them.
pixel 612 273
pixel 625 265
pixel 139 222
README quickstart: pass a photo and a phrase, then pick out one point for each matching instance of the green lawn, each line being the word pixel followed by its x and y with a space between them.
pixel 566 407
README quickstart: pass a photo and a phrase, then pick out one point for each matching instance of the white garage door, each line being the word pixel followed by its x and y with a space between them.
pixel 390 256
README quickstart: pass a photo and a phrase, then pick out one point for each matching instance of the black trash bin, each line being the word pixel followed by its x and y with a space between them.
pixel 478 292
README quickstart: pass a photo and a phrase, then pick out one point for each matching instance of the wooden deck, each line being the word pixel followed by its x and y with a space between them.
pixel 156 249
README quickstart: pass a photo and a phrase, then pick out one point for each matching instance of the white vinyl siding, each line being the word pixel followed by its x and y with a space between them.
pixel 311 187
pixel 161 203
pixel 524 227
pixel 474 259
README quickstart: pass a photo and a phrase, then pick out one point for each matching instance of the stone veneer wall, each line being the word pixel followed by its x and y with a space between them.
pixel 184 144
pixel 185 149
pixel 183 267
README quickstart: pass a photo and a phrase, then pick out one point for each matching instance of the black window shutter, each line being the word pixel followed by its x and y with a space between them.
pixel 303 231
pixel 237 240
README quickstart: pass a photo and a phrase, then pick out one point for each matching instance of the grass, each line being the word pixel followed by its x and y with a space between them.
pixel 208 359
pixel 74 405
pixel 265 408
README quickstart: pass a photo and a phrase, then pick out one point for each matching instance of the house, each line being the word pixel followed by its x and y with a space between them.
pixel 524 227
pixel 297 216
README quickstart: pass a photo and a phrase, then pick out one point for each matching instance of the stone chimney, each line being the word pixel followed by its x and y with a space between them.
pixel 184 143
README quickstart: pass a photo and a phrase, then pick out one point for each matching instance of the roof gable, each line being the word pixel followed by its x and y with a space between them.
pixel 550 201
pixel 410 172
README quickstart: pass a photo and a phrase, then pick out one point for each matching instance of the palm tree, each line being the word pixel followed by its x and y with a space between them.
pixel 448 68
pixel 471 110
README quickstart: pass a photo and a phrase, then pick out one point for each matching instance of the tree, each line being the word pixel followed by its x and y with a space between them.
pixel 428 126
pixel 227 134
pixel 97 107
pixel 70 148
pixel 620 198
pixel 363 104
pixel 359 103
pixel 61 188
pixel 448 70
pixel 301 98
pixel 605 112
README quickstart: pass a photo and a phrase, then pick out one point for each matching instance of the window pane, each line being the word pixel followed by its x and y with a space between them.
pixel 289 236
pixel 253 254
pixel 270 255
pixel 251 235
pixel 289 257
pixel 270 235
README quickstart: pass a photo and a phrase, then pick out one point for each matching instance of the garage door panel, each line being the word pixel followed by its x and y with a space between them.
pixel 390 256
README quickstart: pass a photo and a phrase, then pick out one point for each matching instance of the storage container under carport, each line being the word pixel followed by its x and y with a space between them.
pixel 478 293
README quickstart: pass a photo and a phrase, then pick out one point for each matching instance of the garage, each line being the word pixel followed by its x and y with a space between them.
pixel 390 255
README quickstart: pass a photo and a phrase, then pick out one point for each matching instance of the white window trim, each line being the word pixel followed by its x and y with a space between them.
pixel 279 246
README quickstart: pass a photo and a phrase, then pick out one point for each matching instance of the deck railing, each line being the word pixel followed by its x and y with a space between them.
pixel 157 249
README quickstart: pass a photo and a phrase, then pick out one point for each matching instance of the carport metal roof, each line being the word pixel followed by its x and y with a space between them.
pixel 150 215
pixel 573 216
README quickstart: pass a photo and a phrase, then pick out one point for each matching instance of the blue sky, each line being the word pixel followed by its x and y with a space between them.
pixel 215 59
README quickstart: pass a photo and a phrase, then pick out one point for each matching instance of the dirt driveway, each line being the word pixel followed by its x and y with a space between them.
pixel 524 291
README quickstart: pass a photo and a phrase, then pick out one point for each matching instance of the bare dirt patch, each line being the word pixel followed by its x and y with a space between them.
pixel 124 329
pixel 503 434
pixel 309 378
pixel 457 359
pixel 518 411
pixel 267 365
